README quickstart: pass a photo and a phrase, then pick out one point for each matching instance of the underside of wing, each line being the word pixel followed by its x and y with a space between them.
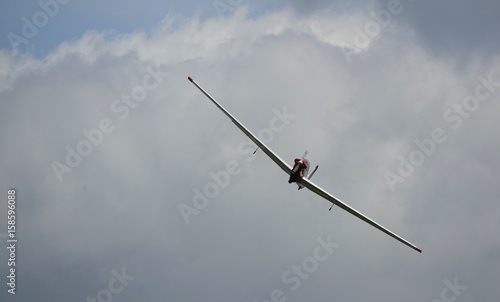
pixel 283 165
pixel 316 189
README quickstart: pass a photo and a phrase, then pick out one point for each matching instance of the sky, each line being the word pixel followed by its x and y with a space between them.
pixel 129 184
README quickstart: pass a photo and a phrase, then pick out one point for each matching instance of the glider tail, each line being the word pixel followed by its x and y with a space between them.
pixel 312 173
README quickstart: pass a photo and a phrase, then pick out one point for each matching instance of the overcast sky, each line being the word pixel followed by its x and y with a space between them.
pixel 132 186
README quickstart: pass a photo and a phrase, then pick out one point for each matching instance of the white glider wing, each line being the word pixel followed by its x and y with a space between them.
pixel 283 165
pixel 305 182
pixel 316 189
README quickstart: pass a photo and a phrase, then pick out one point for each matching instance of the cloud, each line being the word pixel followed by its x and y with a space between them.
pixel 459 28
pixel 119 208
pixel 462 29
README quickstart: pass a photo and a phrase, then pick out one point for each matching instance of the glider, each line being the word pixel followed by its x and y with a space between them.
pixel 298 174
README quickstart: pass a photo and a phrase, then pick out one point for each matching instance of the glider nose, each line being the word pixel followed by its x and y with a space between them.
pixel 190 79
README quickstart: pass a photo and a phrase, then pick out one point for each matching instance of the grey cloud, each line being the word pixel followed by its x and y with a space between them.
pixel 459 28
pixel 119 208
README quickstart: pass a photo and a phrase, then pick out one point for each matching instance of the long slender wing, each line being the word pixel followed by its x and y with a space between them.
pixel 283 165
pixel 307 183
pixel 316 189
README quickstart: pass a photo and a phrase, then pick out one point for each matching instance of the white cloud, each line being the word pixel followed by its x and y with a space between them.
pixel 119 208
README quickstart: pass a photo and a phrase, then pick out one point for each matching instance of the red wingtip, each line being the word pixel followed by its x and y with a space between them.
pixel 419 250
pixel 190 79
